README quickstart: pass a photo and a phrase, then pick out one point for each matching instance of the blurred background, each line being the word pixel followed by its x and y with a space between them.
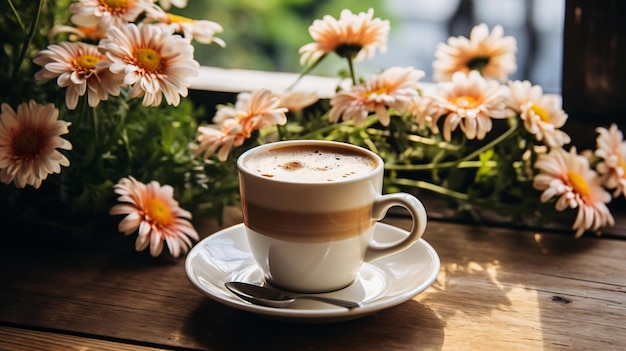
pixel 266 35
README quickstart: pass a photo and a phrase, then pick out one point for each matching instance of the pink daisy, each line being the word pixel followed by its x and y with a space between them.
pixel 82 69
pixel 568 177
pixel 355 36
pixel 154 62
pixel 469 101
pixel 394 88
pixel 489 53
pixel 151 210
pixel 611 149
pixel 233 125
pixel 28 144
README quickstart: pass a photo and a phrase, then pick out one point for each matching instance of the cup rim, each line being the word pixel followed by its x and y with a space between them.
pixel 379 161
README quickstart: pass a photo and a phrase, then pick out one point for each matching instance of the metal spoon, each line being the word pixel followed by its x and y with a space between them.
pixel 266 296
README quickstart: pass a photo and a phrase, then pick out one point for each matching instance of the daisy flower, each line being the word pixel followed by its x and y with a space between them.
pixel 489 53
pixel 469 101
pixel 569 178
pixel 541 113
pixel 154 62
pixel 107 13
pixel 295 101
pixel 167 4
pixel 80 68
pixel 28 144
pixel 233 125
pixel 354 36
pixel 394 88
pixel 202 31
pixel 93 34
pixel 611 149
pixel 151 210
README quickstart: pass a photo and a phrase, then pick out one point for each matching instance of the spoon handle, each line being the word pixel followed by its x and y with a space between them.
pixel 338 302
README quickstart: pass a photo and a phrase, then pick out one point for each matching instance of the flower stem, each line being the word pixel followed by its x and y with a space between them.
pixel 352 73
pixel 17 16
pixel 29 39
pixel 306 71
pixel 431 187
pixel 511 131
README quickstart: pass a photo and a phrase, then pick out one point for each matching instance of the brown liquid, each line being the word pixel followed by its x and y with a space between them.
pixel 307 227
pixel 311 163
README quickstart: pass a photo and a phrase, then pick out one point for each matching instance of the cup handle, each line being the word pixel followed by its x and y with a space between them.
pixel 381 205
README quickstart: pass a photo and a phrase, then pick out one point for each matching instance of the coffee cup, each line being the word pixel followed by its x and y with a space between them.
pixel 310 208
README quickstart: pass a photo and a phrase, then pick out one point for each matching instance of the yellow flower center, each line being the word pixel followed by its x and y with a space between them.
pixel 148 59
pixel 579 184
pixel 115 5
pixel 87 62
pixel 27 144
pixel 622 164
pixel 177 19
pixel 464 101
pixel 379 91
pixel 539 111
pixel 159 212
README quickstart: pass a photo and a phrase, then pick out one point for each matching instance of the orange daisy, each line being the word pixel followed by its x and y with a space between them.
pixel 469 101
pixel 233 125
pixel 354 36
pixel 28 144
pixel 394 88
pixel 492 54
pixel 151 210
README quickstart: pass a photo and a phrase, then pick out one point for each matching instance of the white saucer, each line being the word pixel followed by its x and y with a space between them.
pixel 383 283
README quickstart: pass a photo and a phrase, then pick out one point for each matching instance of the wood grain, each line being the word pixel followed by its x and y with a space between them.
pixel 22 339
pixel 497 289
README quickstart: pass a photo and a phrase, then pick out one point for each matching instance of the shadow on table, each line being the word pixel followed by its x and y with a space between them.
pixel 219 327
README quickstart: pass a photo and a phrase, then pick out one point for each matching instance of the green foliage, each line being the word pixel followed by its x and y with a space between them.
pixel 118 138
pixel 266 35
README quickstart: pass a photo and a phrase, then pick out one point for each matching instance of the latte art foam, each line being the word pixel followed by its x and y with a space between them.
pixel 310 164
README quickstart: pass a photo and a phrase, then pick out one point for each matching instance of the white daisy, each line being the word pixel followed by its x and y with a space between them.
pixel 107 13
pixel 492 54
pixel 611 149
pixel 202 31
pixel 154 62
pixel 82 69
pixel 355 36
pixel 568 177
pixel 541 113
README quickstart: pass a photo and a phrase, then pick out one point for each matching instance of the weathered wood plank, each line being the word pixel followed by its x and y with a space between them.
pixel 497 289
pixel 22 339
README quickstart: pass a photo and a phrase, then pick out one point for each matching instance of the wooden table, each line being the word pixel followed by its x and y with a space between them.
pixel 498 289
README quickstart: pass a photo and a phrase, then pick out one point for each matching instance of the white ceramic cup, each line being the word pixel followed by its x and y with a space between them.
pixel 309 227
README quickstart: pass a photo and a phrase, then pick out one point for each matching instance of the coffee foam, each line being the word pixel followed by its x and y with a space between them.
pixel 310 164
